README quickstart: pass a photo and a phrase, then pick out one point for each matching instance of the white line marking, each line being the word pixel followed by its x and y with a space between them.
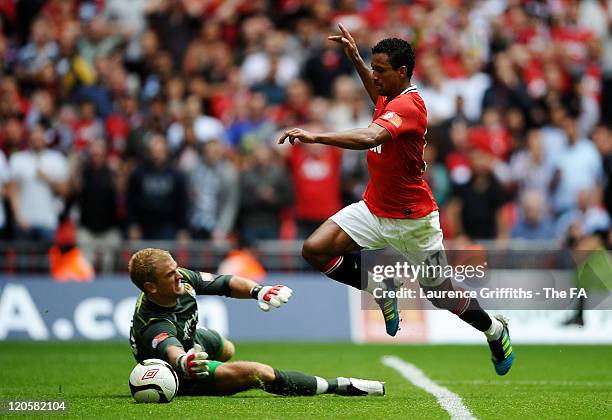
pixel 519 382
pixel 448 400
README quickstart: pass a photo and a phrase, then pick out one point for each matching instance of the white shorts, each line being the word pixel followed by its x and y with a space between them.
pixel 415 239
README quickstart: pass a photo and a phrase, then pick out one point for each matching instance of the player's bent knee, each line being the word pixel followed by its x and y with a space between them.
pixel 228 350
pixel 310 248
pixel 313 253
pixel 321 246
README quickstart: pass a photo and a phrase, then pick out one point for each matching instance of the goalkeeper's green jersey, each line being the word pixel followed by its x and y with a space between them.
pixel 156 327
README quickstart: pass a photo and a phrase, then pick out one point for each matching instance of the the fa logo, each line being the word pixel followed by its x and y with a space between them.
pixel 149 374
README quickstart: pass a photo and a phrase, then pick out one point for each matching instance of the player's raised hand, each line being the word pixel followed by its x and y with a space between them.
pixel 273 296
pixel 194 363
pixel 297 134
pixel 347 41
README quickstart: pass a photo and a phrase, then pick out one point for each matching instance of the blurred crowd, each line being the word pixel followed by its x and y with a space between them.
pixel 157 119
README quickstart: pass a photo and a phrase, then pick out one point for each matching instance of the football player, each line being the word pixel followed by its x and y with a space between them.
pixel 398 208
pixel 164 327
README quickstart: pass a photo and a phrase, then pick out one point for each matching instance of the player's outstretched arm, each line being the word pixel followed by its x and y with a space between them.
pixel 357 139
pixel 267 296
pixel 352 52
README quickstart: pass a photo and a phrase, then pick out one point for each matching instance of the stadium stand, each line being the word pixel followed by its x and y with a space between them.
pixel 157 120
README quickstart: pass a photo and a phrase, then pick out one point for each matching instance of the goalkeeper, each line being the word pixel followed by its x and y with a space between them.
pixel 165 327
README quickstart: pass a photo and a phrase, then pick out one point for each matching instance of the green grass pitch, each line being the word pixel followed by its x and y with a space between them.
pixel 545 382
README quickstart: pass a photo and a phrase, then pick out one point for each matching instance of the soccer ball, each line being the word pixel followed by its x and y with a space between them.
pixel 153 380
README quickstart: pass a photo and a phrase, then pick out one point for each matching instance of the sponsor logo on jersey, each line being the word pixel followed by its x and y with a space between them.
pixel 158 339
pixel 149 374
pixel 393 118
pixel 190 326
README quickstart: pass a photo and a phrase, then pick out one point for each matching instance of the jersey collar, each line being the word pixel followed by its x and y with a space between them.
pixel 160 307
pixel 411 88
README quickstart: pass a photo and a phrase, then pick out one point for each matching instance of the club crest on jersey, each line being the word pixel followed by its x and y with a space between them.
pixel 189 289
pixel 393 118
pixel 158 339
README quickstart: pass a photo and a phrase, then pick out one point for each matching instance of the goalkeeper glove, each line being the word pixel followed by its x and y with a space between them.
pixel 194 363
pixel 271 296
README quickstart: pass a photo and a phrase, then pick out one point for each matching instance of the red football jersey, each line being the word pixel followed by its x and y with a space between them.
pixel 396 188
pixel 316 181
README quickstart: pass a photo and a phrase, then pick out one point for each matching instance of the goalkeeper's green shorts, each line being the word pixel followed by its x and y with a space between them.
pixel 204 386
pixel 212 342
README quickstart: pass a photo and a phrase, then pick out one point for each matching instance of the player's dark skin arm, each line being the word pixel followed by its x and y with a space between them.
pixel 329 240
pixel 357 139
pixel 351 51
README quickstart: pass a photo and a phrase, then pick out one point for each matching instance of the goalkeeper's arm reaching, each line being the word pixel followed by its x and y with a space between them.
pixel 237 287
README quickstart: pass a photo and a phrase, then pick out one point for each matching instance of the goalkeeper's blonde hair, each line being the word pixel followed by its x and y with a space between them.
pixel 143 265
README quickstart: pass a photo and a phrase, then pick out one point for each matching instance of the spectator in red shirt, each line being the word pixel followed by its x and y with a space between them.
pixel 87 127
pixel 491 137
pixel 316 182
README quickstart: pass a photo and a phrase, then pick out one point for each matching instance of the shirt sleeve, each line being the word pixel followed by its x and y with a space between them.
pixel 398 118
pixel 159 336
pixel 207 283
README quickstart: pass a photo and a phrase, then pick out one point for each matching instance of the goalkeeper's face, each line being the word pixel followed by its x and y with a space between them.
pixel 169 285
